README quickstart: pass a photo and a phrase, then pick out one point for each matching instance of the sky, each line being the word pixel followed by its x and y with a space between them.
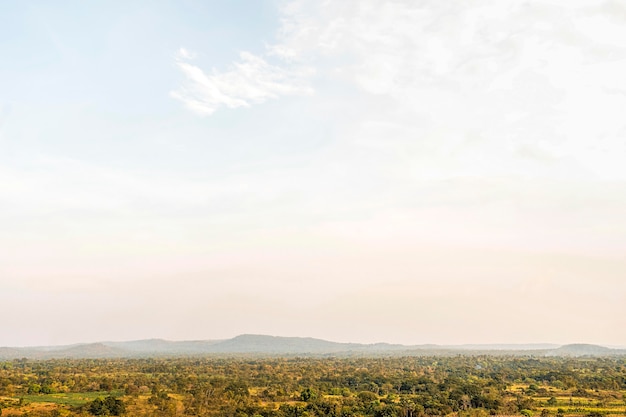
pixel 360 171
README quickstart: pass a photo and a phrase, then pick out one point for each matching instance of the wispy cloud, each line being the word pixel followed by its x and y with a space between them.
pixel 464 82
pixel 250 80
pixel 184 53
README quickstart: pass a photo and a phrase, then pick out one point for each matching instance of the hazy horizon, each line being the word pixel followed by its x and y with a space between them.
pixel 493 345
pixel 470 346
pixel 407 171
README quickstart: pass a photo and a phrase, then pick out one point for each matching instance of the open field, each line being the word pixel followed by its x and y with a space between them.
pixel 70 398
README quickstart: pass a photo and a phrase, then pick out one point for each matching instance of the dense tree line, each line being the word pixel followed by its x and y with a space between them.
pixel 465 386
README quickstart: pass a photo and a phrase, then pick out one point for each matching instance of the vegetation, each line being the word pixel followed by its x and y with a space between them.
pixel 460 386
pixel 110 406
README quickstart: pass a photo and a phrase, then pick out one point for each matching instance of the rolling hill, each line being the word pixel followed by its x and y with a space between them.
pixel 249 344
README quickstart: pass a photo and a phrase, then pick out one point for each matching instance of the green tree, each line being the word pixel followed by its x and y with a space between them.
pixel 308 394
pixel 110 406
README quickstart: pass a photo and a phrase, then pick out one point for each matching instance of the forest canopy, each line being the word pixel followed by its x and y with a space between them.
pixel 462 386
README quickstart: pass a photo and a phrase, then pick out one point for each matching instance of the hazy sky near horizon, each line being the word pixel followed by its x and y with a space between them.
pixel 358 170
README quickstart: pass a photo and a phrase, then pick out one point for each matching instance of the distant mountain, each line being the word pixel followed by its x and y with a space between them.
pixel 164 347
pixel 581 349
pixel 79 351
pixel 91 350
pixel 11 353
pixel 250 344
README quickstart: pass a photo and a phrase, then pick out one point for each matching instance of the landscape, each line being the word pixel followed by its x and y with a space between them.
pixel 257 375
pixel 313 208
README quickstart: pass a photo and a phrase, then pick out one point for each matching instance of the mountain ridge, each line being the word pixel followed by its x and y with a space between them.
pixel 256 344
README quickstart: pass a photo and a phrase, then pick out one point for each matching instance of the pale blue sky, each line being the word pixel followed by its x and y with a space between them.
pixel 96 77
pixel 446 172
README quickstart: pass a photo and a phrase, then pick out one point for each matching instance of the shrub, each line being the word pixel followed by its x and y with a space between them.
pixel 110 406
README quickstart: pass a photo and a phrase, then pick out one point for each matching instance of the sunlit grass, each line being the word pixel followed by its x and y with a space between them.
pixel 70 398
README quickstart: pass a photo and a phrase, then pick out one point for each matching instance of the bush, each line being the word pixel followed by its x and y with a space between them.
pixel 110 406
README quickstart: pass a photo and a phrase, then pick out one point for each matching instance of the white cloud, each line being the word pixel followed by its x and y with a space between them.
pixel 249 80
pixel 467 85
pixel 184 53
pixel 450 88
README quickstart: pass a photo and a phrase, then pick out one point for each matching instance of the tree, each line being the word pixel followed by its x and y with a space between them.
pixel 308 394
pixel 110 406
